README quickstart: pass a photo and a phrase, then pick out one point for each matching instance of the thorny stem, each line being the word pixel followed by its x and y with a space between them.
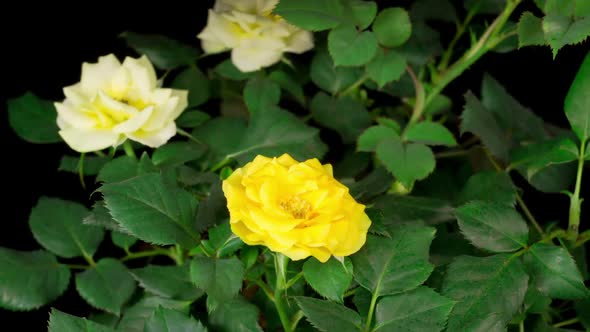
pixel 567 322
pixel 461 28
pixel 420 99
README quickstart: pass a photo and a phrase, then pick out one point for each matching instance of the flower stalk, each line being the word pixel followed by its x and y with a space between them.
pixel 281 262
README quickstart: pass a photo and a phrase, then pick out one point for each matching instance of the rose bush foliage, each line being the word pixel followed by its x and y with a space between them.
pixel 298 167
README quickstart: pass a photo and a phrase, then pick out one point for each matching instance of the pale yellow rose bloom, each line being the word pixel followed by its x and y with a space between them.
pixel 116 101
pixel 295 208
pixel 256 37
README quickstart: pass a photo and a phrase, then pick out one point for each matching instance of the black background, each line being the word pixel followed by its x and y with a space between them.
pixel 42 51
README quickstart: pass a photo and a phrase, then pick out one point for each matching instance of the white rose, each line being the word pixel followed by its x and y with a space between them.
pixel 114 102
pixel 256 37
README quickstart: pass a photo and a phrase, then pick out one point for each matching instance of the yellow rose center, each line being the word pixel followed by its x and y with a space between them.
pixel 296 206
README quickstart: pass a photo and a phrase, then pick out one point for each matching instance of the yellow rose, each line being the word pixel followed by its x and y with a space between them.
pixel 114 102
pixel 295 208
pixel 256 37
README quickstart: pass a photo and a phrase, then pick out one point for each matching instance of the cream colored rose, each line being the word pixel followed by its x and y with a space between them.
pixel 114 102
pixel 257 38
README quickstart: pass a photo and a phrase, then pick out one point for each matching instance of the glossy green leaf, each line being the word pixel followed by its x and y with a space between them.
pixel 554 272
pixel 135 316
pixel 349 47
pixel 535 301
pixel 363 12
pixel 421 309
pixel 101 217
pixel 534 157
pixel 118 169
pixel 168 320
pixel 328 316
pixel 287 82
pixel 492 226
pixel 311 15
pixel 213 209
pixel 192 119
pixel 107 285
pixel 488 291
pixel 91 165
pixel 221 135
pixel 489 186
pixel 407 162
pixel 333 79
pixel 153 209
pixel 386 67
pixel 577 101
pixel 123 240
pixel 196 83
pixel 30 279
pixel 260 94
pixel 62 322
pixel 481 122
pixel 392 27
pixel 431 133
pixel 397 210
pixel 163 52
pixel 236 315
pixel 227 69
pixel 177 153
pixel 424 43
pixel 561 30
pixel 397 264
pixel 33 119
pixel 57 225
pixel 221 279
pixel 530 30
pixel 345 115
pixel 330 279
pixel 167 281
pixel 371 137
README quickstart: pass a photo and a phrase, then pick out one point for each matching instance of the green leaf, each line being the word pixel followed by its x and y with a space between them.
pixel 371 137
pixel 118 169
pixel 273 133
pixel 213 209
pixel 221 135
pixel 362 301
pixel 314 15
pixel 123 240
pixel 177 153
pixel 333 79
pixel 554 179
pixel 554 272
pixel 57 225
pixel 167 320
pixel 386 67
pixel 534 157
pixel 535 301
pixel 33 119
pixel 167 281
pixel 100 216
pixel 431 133
pixel 583 310
pixel 135 317
pixel 397 210
pixel 392 27
pixel 530 30
pixel 442 10
pixel 195 82
pixel 227 69
pixel 328 316
pixel 481 122
pixel 423 44
pixel 30 279
pixel 345 115
pixel 375 183
pixel 289 83
pixel 192 119
pixel 164 53
pixel 236 315
pixel 492 226
pixel 363 12
pixel 397 264
pixel 349 47
pixel 582 8
pixel 62 322
pixel 260 94
pixel 577 101
pixel 488 291
pixel 421 309
pixel 562 30
pixel 221 279
pixel 516 120
pixel 330 279
pixel 489 186
pixel 407 162
pixel 91 164
pixel 153 210
pixel 106 286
